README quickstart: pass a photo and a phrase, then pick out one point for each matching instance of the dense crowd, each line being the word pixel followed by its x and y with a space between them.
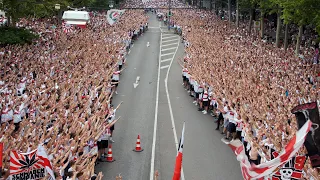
pixel 154 4
pixel 58 91
pixel 249 85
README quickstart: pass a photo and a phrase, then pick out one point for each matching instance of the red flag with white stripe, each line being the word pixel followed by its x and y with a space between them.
pixel 178 166
pixel 250 172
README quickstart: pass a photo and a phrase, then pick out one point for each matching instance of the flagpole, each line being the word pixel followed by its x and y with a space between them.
pixel 178 166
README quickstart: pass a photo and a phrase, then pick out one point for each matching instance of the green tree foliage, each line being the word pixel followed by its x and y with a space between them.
pixel 11 35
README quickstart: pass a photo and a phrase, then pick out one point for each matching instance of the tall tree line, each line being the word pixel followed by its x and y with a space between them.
pixel 298 12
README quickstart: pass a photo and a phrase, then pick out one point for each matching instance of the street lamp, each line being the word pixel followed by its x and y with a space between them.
pixel 57 7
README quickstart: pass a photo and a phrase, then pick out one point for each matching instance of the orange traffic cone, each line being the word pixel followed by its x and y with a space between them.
pixel 138 145
pixel 109 156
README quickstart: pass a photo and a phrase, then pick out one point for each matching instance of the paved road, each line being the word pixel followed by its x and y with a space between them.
pixel 205 157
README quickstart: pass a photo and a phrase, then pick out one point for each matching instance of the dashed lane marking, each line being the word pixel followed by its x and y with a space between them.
pixel 168 49
pixel 170 40
pixel 169 44
pixel 167 54
pixel 168 37
pixel 165 60
pixel 164 67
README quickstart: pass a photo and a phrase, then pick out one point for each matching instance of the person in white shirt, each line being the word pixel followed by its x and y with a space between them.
pixel 226 108
pixel 121 61
pixel 200 91
pixel 205 101
pixel 196 90
pixel 184 76
pixel 115 80
pixel 112 117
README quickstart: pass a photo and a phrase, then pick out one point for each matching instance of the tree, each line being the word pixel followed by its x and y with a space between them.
pixel 237 13
pixel 39 8
pixel 278 28
pixel 249 5
pixel 300 12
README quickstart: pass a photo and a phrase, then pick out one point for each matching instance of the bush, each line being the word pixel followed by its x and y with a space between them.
pixel 12 35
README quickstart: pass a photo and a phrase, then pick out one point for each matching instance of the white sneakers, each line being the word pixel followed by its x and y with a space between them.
pixel 116 92
pixel 204 112
pixel 194 102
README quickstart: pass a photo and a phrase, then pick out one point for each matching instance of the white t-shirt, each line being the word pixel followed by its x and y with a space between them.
pixel 196 86
pixel 112 116
pixel 205 96
pixel 116 75
pixel 184 71
pixel 188 75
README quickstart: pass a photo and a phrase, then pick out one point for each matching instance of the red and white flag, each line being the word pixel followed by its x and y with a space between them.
pixel 32 165
pixel 178 166
pixel 251 172
pixel 67 28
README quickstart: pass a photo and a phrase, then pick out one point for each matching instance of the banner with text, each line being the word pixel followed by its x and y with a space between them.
pixel 30 166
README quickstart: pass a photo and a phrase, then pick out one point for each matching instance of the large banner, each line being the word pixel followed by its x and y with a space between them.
pixel 305 112
pixel 113 15
pixel 30 166
pixel 254 172
pixel 292 170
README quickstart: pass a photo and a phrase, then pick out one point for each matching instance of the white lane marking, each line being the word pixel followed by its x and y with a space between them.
pixel 166 54
pixel 164 67
pixel 153 27
pixel 135 84
pixel 165 60
pixel 170 109
pixel 168 49
pixel 154 138
pixel 169 44
pixel 168 37
pixel 169 40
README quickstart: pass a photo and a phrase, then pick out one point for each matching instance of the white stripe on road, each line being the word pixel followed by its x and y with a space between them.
pixel 164 67
pixel 169 40
pixel 154 137
pixel 168 37
pixel 168 49
pixel 167 54
pixel 165 60
pixel 169 44
pixel 153 27
pixel 170 109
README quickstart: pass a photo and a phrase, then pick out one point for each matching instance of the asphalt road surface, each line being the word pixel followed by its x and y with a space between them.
pixel 155 108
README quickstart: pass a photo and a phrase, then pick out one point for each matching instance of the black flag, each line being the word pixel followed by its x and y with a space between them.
pixel 304 112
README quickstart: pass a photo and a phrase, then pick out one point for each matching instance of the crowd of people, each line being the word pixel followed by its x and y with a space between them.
pixel 154 4
pixel 58 91
pixel 249 85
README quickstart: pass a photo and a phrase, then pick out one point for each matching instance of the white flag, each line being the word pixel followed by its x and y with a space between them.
pixel 113 15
